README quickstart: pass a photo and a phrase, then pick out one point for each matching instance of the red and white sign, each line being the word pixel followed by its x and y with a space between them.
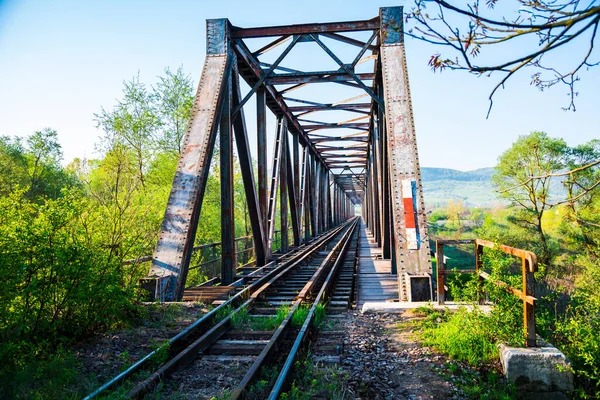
pixel 410 217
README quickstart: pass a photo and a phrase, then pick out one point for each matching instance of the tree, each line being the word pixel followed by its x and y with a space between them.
pixel 523 176
pixel 174 97
pixel 133 123
pixel 476 34
pixel 44 153
pixel 13 164
pixel 455 209
pixel 582 183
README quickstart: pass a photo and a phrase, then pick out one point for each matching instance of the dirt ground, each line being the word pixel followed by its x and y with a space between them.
pixel 383 360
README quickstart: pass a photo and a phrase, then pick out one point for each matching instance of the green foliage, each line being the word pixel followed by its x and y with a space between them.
pixel 300 315
pixel 472 335
pixel 462 335
pixel 320 315
pixel 478 384
pixel 438 215
pixel 262 387
pixel 523 176
pixel 55 376
pixel 577 333
pixel 240 318
pixel 311 381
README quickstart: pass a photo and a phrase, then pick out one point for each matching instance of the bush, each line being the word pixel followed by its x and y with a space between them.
pixel 59 283
pixel 577 333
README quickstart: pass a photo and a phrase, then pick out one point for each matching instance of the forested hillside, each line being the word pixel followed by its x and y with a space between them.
pixel 474 188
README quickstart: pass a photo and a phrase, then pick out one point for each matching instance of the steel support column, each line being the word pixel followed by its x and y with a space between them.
pixel 410 230
pixel 275 169
pixel 261 150
pixel 171 258
pixel 283 188
pixel 228 259
pixel 247 171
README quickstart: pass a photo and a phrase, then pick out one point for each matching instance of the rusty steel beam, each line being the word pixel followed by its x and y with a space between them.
pixel 228 258
pixel 251 71
pixel 408 218
pixel 330 107
pixel 333 125
pixel 348 40
pixel 292 191
pixel 271 46
pixel 283 189
pixel 247 170
pixel 303 29
pixel 315 77
pixel 178 229
pixel 261 140
pixel 275 176
pixel 340 139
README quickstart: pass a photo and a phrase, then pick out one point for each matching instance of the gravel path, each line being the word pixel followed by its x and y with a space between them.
pixel 383 360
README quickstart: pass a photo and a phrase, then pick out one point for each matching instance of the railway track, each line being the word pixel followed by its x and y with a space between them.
pixel 260 328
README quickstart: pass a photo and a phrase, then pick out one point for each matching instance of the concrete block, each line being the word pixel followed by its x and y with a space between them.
pixel 538 372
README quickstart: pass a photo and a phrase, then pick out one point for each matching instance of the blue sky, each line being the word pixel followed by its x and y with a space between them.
pixel 61 61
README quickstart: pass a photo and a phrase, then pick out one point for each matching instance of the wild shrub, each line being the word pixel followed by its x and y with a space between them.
pixel 472 335
pixel 60 283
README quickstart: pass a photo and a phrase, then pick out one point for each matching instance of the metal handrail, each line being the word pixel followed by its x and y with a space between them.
pixel 529 265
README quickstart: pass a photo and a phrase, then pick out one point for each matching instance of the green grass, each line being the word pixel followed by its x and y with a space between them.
pixel 243 321
pixel 481 384
pixel 311 381
pixel 463 335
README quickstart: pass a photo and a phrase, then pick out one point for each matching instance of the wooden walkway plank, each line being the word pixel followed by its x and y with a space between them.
pixel 375 281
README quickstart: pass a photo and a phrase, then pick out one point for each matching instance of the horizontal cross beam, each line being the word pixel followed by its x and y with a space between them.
pixel 304 29
pixel 330 107
pixel 315 77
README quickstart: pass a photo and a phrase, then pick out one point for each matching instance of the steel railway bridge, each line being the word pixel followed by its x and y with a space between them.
pixel 328 156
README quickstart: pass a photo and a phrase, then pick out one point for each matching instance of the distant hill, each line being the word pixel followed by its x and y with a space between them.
pixel 440 174
pixel 473 187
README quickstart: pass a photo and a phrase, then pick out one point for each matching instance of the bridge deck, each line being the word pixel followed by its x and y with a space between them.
pixel 376 283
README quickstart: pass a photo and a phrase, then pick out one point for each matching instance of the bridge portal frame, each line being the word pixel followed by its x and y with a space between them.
pixel 388 186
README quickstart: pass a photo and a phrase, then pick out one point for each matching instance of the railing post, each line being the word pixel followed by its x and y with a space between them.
pixel 215 261
pixel 478 269
pixel 441 273
pixel 528 309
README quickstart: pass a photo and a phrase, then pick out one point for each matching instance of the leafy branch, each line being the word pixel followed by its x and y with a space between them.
pixel 544 25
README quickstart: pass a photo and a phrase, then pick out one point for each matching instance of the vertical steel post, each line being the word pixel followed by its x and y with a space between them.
pixel 303 189
pixel 440 272
pixel 317 195
pixel 411 242
pixel 386 240
pixel 376 182
pixel 247 171
pixel 275 170
pixel 478 269
pixel 291 188
pixel 228 262
pixel 296 158
pixel 261 140
pixel 283 189
pixel 173 252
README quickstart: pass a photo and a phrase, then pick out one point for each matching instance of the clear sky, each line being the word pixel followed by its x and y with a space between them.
pixel 60 61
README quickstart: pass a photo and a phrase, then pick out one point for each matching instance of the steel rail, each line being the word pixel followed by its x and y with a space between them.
pixel 283 376
pixel 204 324
pixel 331 261
pixel 190 353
